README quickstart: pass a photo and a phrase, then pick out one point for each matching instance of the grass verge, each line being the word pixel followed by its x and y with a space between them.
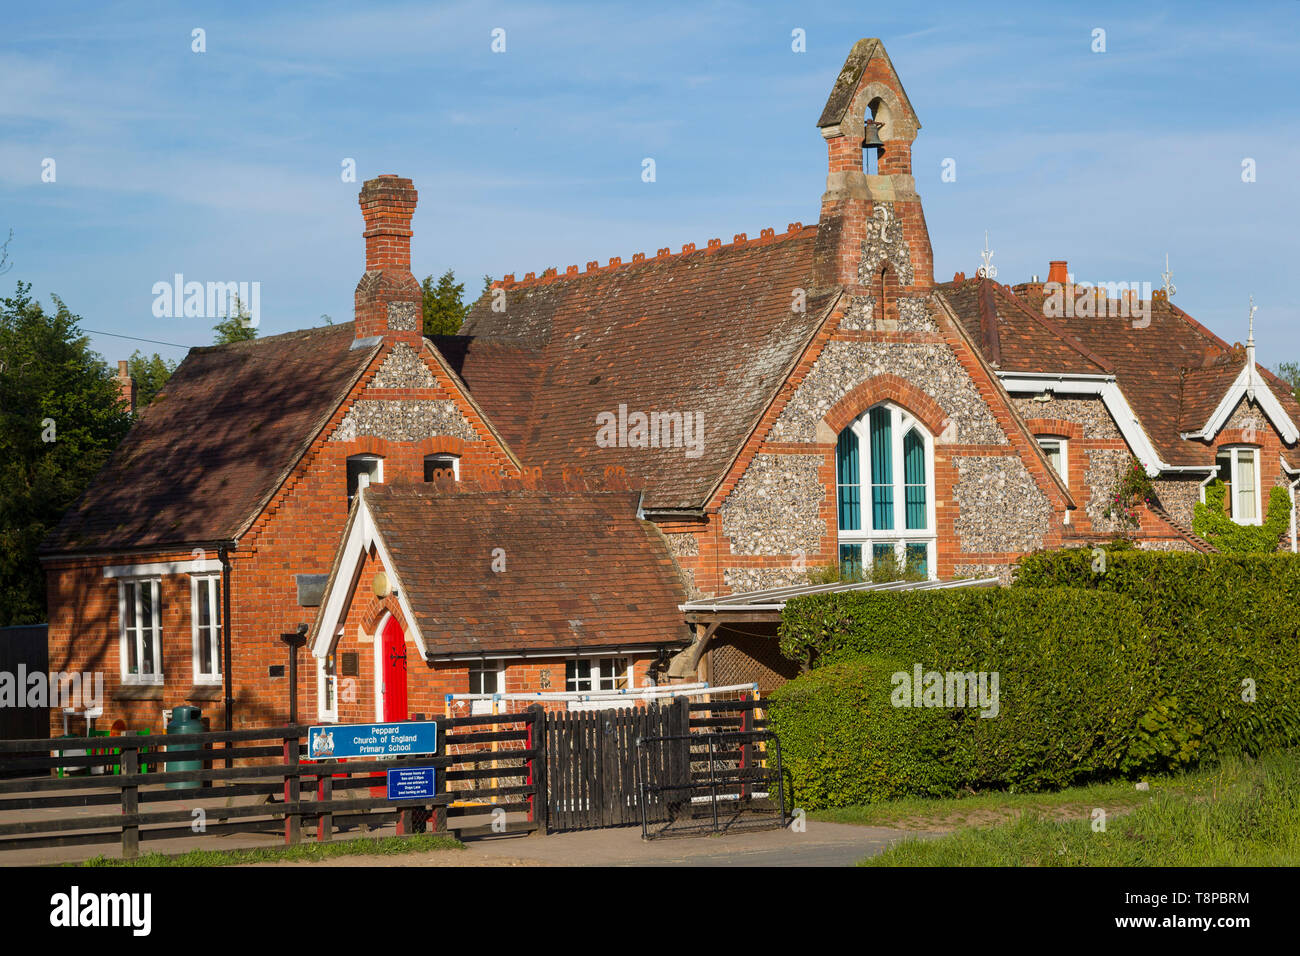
pixel 385 846
pixel 979 809
pixel 1240 813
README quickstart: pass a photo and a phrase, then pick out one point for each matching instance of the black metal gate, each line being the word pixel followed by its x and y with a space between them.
pixel 730 780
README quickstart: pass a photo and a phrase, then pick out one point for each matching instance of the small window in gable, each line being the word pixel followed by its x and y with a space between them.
pixel 1238 469
pixel 362 471
pixel 1055 450
pixel 436 463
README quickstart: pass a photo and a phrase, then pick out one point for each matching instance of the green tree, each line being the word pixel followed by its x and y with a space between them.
pixel 444 308
pixel 60 419
pixel 150 373
pixel 235 327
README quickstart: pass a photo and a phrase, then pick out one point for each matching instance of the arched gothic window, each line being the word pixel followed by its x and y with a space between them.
pixel 884 467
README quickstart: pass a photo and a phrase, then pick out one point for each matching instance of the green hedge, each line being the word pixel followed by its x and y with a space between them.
pixel 1070 668
pixel 1140 665
pixel 842 742
pixel 1219 621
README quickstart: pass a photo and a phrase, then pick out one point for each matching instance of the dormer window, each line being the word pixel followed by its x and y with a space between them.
pixel 1238 469
pixel 362 471
pixel 436 463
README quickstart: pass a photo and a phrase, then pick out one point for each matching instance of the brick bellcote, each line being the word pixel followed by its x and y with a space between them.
pixel 872 231
pixel 388 297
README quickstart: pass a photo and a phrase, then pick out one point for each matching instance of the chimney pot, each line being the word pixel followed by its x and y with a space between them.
pixel 388 203
pixel 1057 272
pixel 125 386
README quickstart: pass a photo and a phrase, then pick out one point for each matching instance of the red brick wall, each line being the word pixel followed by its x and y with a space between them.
pixel 297 533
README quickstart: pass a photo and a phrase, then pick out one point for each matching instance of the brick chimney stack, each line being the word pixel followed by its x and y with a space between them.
pixel 125 386
pixel 388 297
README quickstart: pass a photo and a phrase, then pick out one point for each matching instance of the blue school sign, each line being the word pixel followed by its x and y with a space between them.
pixel 339 741
pixel 416 783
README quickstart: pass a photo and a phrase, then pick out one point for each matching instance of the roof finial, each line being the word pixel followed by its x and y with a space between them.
pixel 988 270
pixel 1167 276
pixel 1252 377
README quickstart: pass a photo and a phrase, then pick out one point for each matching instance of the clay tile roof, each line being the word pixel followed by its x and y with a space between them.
pixel 214 445
pixel 581 570
pixel 1203 388
pixel 1173 371
pixel 1013 336
pixel 711 332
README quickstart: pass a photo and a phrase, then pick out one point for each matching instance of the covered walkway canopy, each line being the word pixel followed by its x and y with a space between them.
pixel 767 605
pixel 706 615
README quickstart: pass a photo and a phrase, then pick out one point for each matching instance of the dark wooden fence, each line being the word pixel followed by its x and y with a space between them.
pixel 27 646
pixel 266 769
pixel 591 762
pixel 495 774
pixel 600 775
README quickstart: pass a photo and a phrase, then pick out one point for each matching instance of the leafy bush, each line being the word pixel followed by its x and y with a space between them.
pixel 1118 661
pixel 1225 630
pixel 843 743
pixel 1210 520
pixel 1070 667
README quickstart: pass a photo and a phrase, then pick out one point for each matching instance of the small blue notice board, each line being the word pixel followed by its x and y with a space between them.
pixel 415 783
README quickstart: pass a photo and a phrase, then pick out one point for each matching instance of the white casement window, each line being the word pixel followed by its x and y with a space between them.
pixel 1239 472
pixel 485 677
pixel 1056 450
pixel 598 673
pixel 884 467
pixel 362 471
pixel 327 689
pixel 433 463
pixel 139 615
pixel 205 625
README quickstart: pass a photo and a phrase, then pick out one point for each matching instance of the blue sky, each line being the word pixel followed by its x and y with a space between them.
pixel 225 165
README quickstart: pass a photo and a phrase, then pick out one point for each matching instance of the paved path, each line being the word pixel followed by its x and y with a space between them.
pixel 822 844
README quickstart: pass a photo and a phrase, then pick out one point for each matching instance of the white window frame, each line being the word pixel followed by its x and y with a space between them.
pixel 442 456
pixel 602 669
pixel 1063 445
pixel 154 678
pixel 495 667
pixel 324 682
pixel 900 536
pixel 1236 452
pixel 364 480
pixel 201 588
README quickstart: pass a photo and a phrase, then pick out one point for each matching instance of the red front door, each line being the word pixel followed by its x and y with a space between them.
pixel 393 674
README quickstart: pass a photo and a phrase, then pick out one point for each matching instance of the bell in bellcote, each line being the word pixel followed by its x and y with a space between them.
pixel 871 137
